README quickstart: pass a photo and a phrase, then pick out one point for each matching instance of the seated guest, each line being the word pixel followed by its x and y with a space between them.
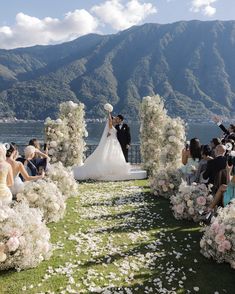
pixel 190 159
pixel 228 133
pixel 18 168
pixel 34 142
pixel 214 142
pixel 6 177
pixel 32 164
pixel 206 156
pixel 225 193
pixel 215 165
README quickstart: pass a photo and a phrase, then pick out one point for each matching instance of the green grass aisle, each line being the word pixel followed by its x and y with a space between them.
pixel 118 238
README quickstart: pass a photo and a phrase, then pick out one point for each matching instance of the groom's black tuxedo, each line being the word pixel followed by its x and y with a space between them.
pixel 124 138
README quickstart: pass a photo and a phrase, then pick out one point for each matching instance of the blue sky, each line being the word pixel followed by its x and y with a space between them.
pixel 30 22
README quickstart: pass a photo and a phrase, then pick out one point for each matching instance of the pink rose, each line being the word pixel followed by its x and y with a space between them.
pixel 179 208
pixel 215 226
pixel 227 245
pixel 13 244
pixel 221 248
pixel 191 211
pixel 201 200
pixel 219 238
pixel 161 182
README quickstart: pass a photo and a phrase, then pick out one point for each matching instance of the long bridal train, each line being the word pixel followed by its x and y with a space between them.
pixel 107 162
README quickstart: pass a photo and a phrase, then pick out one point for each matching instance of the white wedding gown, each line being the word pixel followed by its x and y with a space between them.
pixel 107 162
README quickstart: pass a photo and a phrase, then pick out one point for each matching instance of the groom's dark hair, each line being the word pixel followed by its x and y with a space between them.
pixel 121 117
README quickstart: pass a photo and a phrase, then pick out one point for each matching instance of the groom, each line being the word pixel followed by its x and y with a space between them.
pixel 123 135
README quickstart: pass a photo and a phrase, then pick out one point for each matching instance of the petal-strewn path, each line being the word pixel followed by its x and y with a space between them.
pixel 118 238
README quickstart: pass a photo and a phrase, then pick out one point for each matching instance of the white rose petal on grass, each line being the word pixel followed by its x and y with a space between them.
pixel 196 289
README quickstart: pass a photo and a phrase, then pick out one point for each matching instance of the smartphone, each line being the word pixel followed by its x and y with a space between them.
pixel 45 146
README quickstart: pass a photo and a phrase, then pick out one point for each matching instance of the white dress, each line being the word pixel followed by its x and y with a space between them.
pixel 5 193
pixel 107 162
pixel 18 186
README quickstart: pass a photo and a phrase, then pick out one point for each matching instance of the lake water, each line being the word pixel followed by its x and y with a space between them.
pixel 22 132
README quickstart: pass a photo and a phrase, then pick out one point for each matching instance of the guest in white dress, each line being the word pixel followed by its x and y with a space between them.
pixel 107 162
pixel 6 177
pixel 18 168
pixel 190 160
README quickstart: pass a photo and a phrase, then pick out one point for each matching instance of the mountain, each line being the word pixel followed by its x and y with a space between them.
pixel 191 64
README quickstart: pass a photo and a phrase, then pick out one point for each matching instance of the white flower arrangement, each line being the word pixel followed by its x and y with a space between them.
pixel 24 238
pixel 191 201
pixel 65 136
pixel 153 119
pixel 108 107
pixel 64 179
pixel 173 142
pixel 46 196
pixel 162 140
pixel 218 240
pixel 165 182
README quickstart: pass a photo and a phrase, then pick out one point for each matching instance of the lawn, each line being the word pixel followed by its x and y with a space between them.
pixel 118 238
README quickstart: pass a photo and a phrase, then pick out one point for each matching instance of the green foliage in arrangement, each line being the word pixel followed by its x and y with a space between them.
pixel 190 64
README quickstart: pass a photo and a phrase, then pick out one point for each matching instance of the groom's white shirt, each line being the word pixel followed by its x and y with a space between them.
pixel 120 125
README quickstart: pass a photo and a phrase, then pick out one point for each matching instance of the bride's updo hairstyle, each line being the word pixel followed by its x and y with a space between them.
pixel 2 152
pixel 11 149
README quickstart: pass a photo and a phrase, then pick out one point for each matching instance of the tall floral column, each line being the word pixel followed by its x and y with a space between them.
pixel 74 116
pixel 153 119
pixel 65 136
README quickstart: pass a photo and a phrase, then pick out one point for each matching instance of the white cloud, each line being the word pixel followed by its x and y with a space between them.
pixel 28 30
pixel 121 16
pixel 203 6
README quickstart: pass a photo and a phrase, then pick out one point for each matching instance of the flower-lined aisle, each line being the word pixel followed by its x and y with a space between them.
pixel 118 238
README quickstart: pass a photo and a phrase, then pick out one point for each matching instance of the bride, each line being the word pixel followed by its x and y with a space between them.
pixel 107 162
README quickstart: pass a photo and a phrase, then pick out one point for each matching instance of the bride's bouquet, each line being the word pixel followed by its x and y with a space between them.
pixel 108 107
pixel 24 238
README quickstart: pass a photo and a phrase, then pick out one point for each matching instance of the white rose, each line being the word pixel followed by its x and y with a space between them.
pixel 3 257
pixel 56 206
pixel 53 144
pixel 33 197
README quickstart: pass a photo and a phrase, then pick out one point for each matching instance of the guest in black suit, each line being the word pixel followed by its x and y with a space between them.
pixel 123 135
pixel 215 165
pixel 229 133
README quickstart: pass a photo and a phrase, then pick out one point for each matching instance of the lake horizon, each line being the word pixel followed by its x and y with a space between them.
pixel 21 132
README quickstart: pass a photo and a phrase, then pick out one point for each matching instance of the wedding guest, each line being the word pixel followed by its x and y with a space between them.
pixel 229 133
pixel 39 154
pixel 206 156
pixel 225 193
pixel 6 177
pixel 18 168
pixel 190 159
pixel 214 142
pixel 123 135
pixel 31 164
pixel 215 165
